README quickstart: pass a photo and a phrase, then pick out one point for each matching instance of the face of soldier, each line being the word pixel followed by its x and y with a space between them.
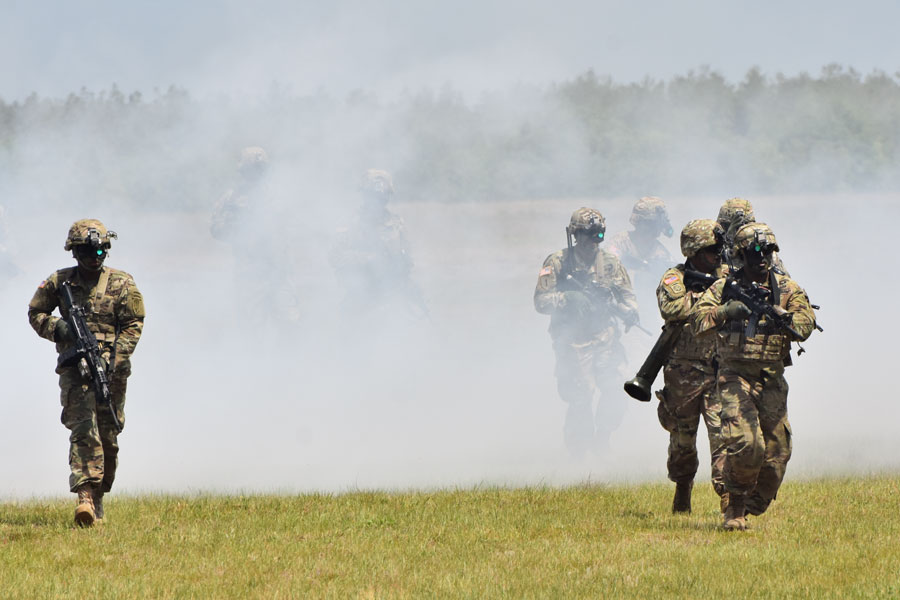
pixel 376 199
pixel 587 241
pixel 253 172
pixel 89 258
pixel 707 259
pixel 757 260
pixel 653 228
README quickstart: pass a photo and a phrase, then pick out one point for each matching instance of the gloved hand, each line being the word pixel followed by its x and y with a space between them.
pixel 63 333
pixel 577 303
pixel 735 309
pixel 630 318
pixel 779 310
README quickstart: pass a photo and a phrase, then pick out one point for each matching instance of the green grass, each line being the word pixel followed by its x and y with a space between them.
pixel 820 539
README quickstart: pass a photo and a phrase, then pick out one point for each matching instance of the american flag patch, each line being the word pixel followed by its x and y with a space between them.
pixel 670 279
pixel 43 283
pixel 545 271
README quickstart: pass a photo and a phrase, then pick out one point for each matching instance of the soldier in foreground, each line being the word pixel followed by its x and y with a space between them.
pixel 371 258
pixel 690 372
pixel 101 323
pixel 585 289
pixel 754 315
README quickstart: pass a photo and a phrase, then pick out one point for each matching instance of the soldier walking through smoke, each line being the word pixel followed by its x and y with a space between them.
pixel 585 289
pixel 754 315
pixel 248 217
pixel 640 249
pixel 102 316
pixel 371 257
pixel 690 371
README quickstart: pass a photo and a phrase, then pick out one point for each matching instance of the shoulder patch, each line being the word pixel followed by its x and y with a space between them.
pixel 136 303
pixel 545 271
pixel 670 279
pixel 43 283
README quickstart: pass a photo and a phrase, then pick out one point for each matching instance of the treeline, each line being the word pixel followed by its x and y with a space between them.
pixel 697 133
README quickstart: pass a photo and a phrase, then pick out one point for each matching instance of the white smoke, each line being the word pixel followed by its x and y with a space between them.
pixel 466 398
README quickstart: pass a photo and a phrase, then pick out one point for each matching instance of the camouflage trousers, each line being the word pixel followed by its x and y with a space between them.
pixel 93 441
pixel 689 393
pixel 584 372
pixel 755 431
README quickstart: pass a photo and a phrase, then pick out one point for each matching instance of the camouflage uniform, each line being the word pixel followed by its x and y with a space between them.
pixel 690 373
pixel 751 385
pixel 371 258
pixel 260 234
pixel 114 311
pixel 589 353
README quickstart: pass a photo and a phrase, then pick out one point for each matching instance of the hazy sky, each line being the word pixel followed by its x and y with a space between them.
pixel 57 47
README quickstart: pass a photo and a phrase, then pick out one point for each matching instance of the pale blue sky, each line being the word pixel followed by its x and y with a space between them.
pixel 54 47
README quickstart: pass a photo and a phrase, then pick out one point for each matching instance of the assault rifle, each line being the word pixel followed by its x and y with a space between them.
pixel 639 387
pixel 85 353
pixel 756 298
pixel 600 295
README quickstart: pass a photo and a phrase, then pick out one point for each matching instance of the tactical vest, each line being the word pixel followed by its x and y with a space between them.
pixel 770 344
pixel 98 304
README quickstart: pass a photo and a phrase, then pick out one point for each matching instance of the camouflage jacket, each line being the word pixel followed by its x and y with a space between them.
pixel 606 283
pixel 653 261
pixel 676 300
pixel 113 306
pixel 771 344
pixel 373 252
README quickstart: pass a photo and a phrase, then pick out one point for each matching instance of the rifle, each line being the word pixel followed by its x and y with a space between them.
pixel 599 294
pixel 85 352
pixel 639 387
pixel 756 298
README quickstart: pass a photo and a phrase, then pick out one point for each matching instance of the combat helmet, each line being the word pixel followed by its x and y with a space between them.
pixel 756 237
pixel 253 161
pixel 89 232
pixel 699 234
pixel 376 181
pixel 651 209
pixel 587 220
pixel 735 211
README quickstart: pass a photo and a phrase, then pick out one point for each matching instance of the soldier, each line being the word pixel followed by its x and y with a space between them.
pixel 751 387
pixel 584 288
pixel 371 258
pixel 690 373
pixel 228 215
pixel 640 249
pixel 114 311
pixel 260 233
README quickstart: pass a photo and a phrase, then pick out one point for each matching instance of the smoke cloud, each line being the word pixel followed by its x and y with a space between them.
pixel 224 400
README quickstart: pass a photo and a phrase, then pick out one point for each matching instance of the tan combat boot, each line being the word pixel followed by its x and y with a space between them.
pixel 733 519
pixel 84 511
pixel 682 501
pixel 98 506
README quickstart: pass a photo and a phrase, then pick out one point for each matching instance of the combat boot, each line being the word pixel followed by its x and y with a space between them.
pixel 734 520
pixel 98 506
pixel 682 501
pixel 84 511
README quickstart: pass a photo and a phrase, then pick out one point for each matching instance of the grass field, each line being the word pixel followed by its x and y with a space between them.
pixel 833 538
